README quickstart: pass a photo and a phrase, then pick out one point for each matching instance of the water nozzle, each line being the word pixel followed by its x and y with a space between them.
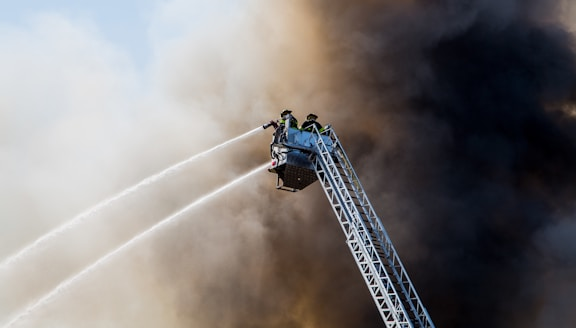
pixel 269 124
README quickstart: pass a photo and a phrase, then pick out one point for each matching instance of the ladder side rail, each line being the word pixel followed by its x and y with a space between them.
pixel 385 309
pixel 332 196
pixel 352 180
pixel 360 195
pixel 400 273
pixel 370 219
pixel 381 294
pixel 349 171
pixel 351 174
pixel 381 235
pixel 370 258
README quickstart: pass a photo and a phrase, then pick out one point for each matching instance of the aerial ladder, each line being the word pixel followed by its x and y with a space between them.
pixel 299 158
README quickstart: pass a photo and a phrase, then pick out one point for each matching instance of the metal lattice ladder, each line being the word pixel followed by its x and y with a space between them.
pixel 383 272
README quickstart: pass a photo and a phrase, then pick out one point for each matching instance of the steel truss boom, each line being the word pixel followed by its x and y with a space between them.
pixel 388 282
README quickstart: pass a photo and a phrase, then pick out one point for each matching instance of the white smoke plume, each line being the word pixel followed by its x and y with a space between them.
pixel 80 121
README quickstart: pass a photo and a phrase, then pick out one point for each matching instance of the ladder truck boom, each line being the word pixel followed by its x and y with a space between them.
pixel 299 158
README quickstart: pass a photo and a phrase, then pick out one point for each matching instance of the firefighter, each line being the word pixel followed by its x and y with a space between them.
pixel 279 126
pixel 310 122
pixel 287 115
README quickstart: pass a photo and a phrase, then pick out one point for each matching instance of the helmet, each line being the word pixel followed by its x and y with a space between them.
pixel 286 111
pixel 311 116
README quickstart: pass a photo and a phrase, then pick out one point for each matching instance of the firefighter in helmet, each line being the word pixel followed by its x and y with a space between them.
pixel 287 115
pixel 310 122
pixel 280 125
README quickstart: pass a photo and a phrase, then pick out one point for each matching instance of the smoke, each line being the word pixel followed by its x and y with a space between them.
pixel 79 124
pixel 475 154
pixel 457 115
pixel 83 124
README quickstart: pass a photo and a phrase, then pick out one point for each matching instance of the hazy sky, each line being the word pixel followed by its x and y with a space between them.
pixel 124 23
pixel 131 26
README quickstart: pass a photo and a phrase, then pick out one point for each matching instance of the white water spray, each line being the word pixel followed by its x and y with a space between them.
pixel 98 207
pixel 67 283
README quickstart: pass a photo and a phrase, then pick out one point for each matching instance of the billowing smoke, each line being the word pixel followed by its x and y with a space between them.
pixel 457 115
pixel 473 151
pixel 459 118
pixel 82 125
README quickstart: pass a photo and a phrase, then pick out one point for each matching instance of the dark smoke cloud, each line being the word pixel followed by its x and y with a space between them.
pixel 476 148
pixel 458 117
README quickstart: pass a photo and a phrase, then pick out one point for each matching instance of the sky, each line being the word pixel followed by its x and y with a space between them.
pixel 124 24
pixel 130 26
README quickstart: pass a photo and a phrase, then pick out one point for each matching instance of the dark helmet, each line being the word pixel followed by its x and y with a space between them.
pixel 311 116
pixel 284 112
